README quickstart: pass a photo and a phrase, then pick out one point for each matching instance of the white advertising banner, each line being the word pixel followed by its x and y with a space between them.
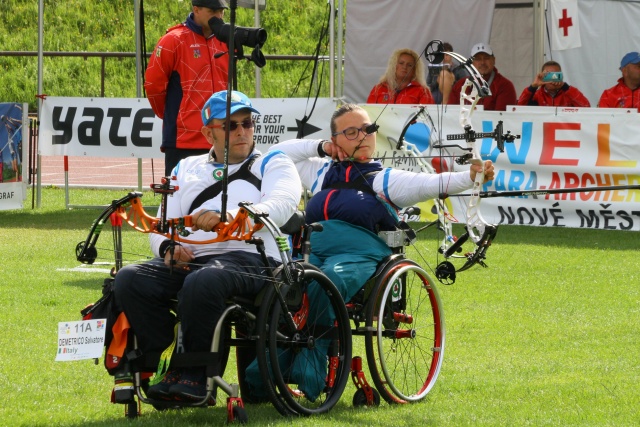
pixel 14 137
pixel 127 127
pixel 558 148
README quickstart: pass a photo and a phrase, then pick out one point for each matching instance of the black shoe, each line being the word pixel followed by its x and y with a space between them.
pixel 192 385
pixel 161 390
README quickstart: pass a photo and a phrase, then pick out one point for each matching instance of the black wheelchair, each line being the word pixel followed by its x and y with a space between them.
pixel 304 350
pixel 282 323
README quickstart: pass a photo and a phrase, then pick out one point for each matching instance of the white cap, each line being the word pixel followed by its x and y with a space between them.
pixel 481 47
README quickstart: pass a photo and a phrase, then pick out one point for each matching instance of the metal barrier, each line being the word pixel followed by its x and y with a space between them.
pixel 104 55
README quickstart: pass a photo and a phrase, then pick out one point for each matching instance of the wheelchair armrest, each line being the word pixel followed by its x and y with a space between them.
pixel 293 224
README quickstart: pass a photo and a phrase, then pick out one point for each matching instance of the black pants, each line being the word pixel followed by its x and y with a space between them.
pixel 146 293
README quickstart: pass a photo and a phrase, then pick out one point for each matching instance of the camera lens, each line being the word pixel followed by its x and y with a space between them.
pixel 243 36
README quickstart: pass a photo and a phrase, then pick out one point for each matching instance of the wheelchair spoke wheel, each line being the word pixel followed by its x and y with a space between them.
pixel 405 342
pixel 309 345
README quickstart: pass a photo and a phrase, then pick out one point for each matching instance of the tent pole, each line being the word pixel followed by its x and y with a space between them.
pixel 136 17
pixel 332 62
pixel 40 90
pixel 256 24
pixel 339 62
pixel 539 7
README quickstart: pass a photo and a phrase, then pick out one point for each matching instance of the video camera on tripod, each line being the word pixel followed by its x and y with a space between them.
pixel 242 36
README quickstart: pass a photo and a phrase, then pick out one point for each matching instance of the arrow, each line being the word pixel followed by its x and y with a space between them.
pixel 544 192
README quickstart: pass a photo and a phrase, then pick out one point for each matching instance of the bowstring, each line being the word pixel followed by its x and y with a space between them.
pixel 442 187
pixel 439 209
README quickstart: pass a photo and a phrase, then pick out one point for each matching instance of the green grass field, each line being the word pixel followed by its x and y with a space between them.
pixel 546 336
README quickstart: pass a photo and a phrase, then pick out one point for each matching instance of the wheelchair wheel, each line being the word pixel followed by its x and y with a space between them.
pixel 307 345
pixel 405 342
pixel 360 398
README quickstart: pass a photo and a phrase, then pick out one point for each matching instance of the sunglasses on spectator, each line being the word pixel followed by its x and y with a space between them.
pixel 246 124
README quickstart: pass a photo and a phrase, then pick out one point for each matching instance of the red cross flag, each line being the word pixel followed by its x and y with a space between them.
pixel 564 24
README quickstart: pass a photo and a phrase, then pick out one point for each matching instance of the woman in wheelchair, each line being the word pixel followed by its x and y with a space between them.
pixel 355 197
pixel 202 277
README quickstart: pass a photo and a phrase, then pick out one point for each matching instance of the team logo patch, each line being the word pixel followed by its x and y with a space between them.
pixel 196 53
pixel 218 174
pixel 396 291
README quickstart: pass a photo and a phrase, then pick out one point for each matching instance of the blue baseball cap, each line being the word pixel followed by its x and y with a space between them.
pixel 216 106
pixel 630 58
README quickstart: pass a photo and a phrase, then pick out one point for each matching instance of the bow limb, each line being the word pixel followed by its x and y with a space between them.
pixel 480 232
pixel 475 223
pixel 86 251
pixel 240 228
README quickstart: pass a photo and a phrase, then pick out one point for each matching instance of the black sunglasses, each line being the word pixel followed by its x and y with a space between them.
pixel 246 124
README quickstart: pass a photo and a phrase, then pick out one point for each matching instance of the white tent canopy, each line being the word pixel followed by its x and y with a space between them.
pixel 516 30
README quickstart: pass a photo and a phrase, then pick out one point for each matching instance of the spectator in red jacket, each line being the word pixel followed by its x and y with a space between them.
pixel 503 92
pixel 555 93
pixel 181 76
pixel 403 82
pixel 625 94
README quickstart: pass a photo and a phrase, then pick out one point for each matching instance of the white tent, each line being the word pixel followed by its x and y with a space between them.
pixel 517 30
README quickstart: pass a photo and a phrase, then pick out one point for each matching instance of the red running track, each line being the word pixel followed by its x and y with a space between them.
pixel 100 171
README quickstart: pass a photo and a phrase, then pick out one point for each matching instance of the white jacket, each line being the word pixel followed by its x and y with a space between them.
pixel 279 196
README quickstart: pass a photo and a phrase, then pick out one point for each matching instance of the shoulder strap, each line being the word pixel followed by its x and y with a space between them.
pixel 244 173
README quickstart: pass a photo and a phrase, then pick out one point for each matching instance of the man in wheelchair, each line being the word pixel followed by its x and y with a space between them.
pixel 355 197
pixel 202 277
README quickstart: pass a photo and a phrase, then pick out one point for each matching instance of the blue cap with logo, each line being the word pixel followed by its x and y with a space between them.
pixel 630 58
pixel 216 106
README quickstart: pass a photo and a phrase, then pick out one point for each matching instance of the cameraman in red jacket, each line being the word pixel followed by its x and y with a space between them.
pixel 182 74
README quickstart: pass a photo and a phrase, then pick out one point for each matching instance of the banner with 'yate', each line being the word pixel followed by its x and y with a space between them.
pixel 557 148
pixel 127 127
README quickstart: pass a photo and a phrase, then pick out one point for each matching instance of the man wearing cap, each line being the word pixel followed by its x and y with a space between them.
pixel 503 92
pixel 625 94
pixel 203 276
pixel 183 72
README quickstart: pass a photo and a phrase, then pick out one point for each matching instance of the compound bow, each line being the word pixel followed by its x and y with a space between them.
pixel 477 229
pixel 130 209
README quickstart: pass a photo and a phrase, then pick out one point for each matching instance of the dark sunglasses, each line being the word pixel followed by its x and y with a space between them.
pixel 246 124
